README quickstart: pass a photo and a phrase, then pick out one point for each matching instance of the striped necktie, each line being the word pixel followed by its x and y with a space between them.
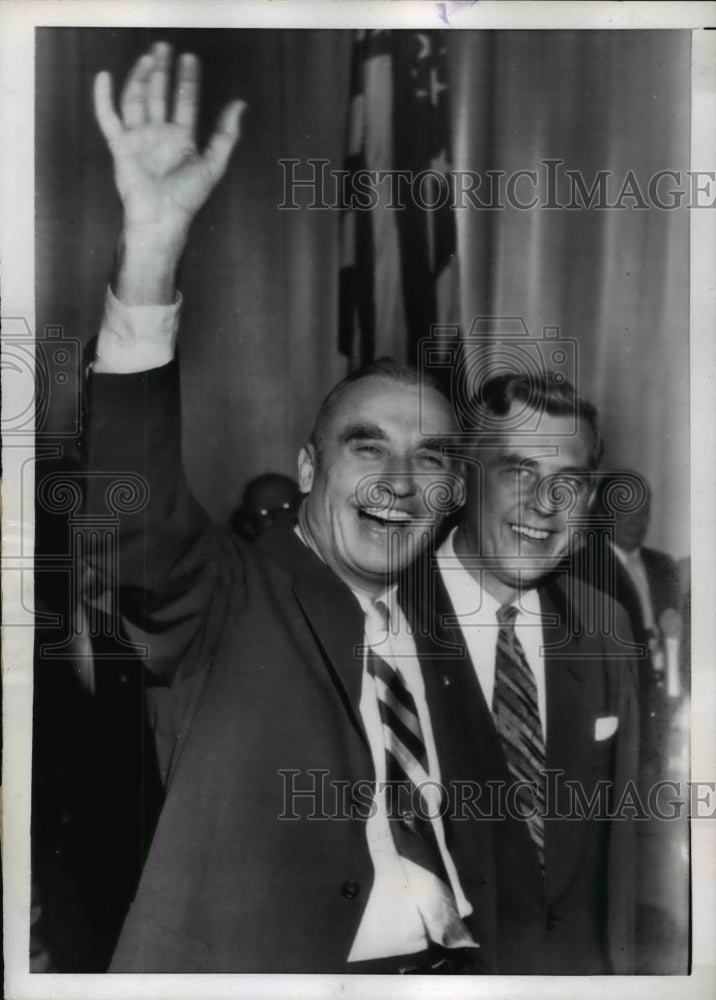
pixel 414 800
pixel 516 713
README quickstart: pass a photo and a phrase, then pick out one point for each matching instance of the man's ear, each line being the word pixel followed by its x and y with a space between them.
pixel 306 467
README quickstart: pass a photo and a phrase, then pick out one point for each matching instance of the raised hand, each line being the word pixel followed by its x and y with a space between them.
pixel 161 177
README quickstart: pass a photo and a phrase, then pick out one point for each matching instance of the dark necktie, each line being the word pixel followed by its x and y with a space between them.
pixel 413 798
pixel 516 713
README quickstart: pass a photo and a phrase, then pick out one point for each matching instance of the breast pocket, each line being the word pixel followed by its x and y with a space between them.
pixel 605 726
pixel 606 729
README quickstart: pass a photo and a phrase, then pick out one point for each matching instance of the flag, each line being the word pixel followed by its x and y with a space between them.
pixel 398 268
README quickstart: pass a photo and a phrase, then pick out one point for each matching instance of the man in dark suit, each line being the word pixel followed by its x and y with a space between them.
pixel 542 700
pixel 287 693
pixel 644 580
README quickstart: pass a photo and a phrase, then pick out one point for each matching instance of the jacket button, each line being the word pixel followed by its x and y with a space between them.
pixel 350 890
pixel 551 923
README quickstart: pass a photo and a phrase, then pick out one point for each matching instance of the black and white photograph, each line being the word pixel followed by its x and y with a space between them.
pixel 358 449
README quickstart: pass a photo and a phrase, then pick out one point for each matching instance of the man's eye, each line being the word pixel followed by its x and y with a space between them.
pixel 432 460
pixel 367 450
pixel 575 484
pixel 520 473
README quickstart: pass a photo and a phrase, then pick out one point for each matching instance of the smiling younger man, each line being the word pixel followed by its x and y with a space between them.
pixel 267 697
pixel 541 690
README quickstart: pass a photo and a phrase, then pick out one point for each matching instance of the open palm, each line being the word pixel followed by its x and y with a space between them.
pixel 161 177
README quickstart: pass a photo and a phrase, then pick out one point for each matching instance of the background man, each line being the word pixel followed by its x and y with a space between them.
pixel 535 688
pixel 645 581
pixel 281 666
pixel 268 499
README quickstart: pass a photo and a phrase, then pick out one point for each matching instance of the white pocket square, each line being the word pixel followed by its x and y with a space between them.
pixel 605 727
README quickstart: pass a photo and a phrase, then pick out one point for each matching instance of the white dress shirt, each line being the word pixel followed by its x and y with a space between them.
pixel 391 923
pixel 476 614
pixel 136 338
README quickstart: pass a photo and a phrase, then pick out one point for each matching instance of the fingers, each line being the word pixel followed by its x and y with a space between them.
pixel 106 116
pixel 144 97
pixel 133 103
pixel 222 142
pixel 159 82
pixel 186 98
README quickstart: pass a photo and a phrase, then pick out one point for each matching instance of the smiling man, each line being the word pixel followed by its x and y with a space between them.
pixel 527 486
pixel 284 676
pixel 542 698
pixel 375 452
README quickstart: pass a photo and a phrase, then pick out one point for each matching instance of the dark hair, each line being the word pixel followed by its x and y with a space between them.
pixel 546 393
pixel 385 367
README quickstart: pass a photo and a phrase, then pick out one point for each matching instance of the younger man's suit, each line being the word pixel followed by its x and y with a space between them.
pixel 579 918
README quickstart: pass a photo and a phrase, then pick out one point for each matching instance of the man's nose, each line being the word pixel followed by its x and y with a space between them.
pixel 554 495
pixel 400 479
pixel 539 498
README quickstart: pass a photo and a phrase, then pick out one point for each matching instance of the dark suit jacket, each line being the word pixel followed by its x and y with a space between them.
pixel 663 575
pixel 254 655
pixel 600 566
pixel 579 919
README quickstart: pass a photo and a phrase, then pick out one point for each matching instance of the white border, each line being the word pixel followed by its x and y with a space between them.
pixel 17 22
pixel 554 14
pixel 703 492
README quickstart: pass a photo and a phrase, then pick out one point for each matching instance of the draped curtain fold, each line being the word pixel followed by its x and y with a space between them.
pixel 259 337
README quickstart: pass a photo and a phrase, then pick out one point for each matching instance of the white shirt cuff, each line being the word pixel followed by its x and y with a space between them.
pixel 136 338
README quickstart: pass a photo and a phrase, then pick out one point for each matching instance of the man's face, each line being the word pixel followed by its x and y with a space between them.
pixel 371 476
pixel 272 499
pixel 520 496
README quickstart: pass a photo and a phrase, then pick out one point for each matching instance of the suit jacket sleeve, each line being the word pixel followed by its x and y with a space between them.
pixel 171 567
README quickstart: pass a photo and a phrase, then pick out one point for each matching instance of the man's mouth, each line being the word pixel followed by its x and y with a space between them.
pixel 385 516
pixel 533 534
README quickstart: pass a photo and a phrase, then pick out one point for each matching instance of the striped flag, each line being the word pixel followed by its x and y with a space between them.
pixel 398 268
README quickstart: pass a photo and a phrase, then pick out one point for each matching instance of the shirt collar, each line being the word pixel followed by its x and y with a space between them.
pixel 627 557
pixel 463 587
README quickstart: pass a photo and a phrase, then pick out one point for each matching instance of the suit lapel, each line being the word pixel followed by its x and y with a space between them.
pixel 468 745
pixel 333 615
pixel 570 721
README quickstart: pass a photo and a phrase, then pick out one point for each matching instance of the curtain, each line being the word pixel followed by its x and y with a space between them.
pixel 259 331
pixel 613 280
pixel 259 334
